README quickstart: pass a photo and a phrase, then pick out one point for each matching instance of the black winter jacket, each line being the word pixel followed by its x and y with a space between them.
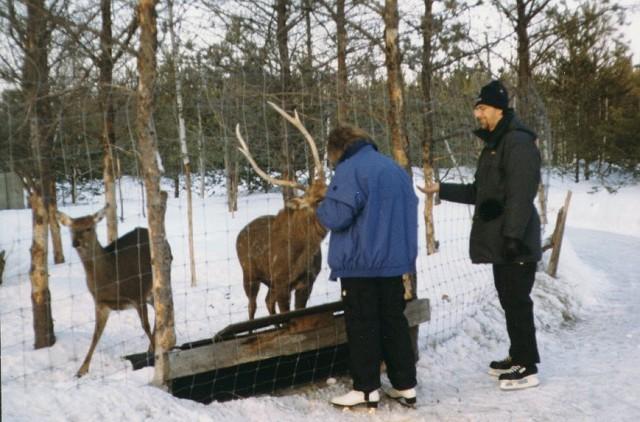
pixel 503 192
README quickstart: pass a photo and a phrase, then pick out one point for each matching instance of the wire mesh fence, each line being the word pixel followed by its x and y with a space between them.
pixel 455 288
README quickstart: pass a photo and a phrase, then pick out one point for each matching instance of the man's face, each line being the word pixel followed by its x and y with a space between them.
pixel 487 116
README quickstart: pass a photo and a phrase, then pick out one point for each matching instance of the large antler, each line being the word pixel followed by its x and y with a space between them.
pixel 244 149
pixel 295 121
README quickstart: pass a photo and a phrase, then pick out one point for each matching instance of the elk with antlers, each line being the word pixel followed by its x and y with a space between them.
pixel 283 251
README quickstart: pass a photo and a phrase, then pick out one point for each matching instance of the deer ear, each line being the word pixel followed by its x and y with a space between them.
pixel 100 214
pixel 64 218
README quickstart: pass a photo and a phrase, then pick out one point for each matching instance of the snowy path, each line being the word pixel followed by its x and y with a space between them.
pixel 590 369
pixel 595 365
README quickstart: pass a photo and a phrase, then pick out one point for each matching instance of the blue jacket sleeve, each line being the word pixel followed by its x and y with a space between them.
pixel 335 215
pixel 344 200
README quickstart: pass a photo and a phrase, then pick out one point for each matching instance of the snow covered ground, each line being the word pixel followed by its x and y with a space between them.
pixel 588 322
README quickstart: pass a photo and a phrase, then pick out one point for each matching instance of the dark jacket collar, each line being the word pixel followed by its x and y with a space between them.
pixel 355 147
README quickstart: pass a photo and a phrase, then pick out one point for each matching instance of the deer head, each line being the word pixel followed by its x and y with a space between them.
pixel 83 229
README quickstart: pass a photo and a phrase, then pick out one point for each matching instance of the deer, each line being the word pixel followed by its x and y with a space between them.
pixel 282 251
pixel 118 276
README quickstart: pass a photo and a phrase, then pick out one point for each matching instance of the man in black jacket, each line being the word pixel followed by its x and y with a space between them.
pixel 506 227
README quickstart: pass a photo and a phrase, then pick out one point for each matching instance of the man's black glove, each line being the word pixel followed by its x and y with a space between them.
pixel 512 248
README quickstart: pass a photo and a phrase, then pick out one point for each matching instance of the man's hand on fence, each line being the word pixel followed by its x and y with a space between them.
pixel 430 188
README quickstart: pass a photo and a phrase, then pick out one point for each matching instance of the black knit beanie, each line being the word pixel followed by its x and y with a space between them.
pixel 494 94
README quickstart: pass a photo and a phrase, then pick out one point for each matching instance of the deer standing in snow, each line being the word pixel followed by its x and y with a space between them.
pixel 118 275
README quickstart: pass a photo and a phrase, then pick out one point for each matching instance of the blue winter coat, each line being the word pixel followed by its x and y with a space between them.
pixel 371 210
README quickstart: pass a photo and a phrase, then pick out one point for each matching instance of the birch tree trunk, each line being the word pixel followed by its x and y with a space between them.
pixel 165 337
pixel 182 133
pixel 201 148
pixel 523 19
pixel 54 226
pixel 282 35
pixel 108 136
pixel 231 176
pixel 36 90
pixel 342 80
pixel 44 335
pixel 399 140
pixel 427 122
pixel 38 274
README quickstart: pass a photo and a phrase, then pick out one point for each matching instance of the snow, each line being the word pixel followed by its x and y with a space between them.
pixel 588 322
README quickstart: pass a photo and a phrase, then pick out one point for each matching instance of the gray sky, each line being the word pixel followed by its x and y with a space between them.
pixel 632 31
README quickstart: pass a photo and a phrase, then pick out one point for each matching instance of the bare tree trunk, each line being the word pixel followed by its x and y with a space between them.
pixel 231 175
pixel 35 89
pixel 105 64
pixel 282 36
pixel 182 133
pixel 54 227
pixel 342 79
pixel 44 335
pixel 165 337
pixel 427 122
pixel 542 201
pixel 309 85
pixel 524 61
pixel 399 140
pixel 74 183
pixel 52 195
pixel 201 148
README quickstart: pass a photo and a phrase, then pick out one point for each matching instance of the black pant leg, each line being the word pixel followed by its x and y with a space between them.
pixel 361 316
pixel 396 343
pixel 514 283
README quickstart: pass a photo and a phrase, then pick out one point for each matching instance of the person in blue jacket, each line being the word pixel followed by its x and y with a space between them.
pixel 371 210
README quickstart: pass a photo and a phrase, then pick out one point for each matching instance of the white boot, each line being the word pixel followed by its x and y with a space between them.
pixel 355 398
pixel 406 397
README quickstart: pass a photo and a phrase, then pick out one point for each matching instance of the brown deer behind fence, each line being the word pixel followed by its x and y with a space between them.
pixel 118 275
pixel 283 251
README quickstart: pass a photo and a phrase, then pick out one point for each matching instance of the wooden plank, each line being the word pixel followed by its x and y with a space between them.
pixel 259 323
pixel 308 332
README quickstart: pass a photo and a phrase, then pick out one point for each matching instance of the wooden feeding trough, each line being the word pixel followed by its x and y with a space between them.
pixel 265 354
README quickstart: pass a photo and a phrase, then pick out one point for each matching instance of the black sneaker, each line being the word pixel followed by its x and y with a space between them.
pixel 499 367
pixel 519 377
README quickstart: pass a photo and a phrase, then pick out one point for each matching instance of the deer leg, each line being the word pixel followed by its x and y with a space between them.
pixel 283 296
pixel 102 314
pixel 303 291
pixel 251 289
pixel 271 301
pixel 144 319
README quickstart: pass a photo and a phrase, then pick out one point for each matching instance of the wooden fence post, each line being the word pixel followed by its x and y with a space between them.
pixel 558 234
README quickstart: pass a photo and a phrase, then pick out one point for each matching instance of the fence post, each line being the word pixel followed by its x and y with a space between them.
pixel 558 234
